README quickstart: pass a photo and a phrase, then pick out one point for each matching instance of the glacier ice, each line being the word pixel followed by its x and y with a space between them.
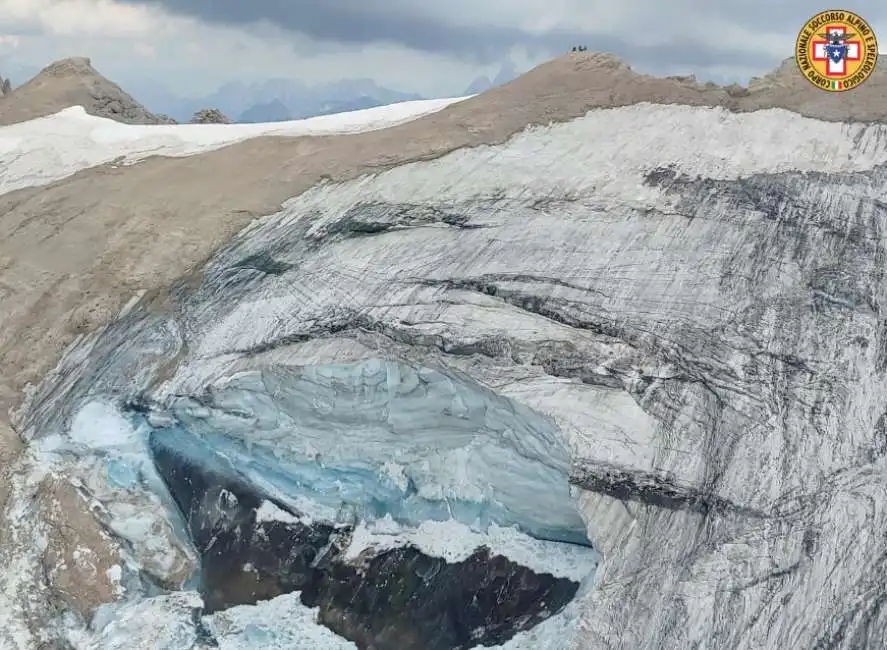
pixel 385 439
pixel 161 623
pixel 700 320
pixel 175 622
pixel 282 623
pixel 172 622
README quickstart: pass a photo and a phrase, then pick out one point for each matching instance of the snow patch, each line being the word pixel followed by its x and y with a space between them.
pixel 100 426
pixel 50 148
pixel 453 541
pixel 268 512
pixel 283 623
pixel 115 574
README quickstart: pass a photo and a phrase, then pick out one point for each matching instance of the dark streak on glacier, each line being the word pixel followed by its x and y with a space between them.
pixel 373 218
pixel 658 491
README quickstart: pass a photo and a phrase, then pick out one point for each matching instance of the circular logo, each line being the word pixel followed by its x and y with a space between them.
pixel 836 50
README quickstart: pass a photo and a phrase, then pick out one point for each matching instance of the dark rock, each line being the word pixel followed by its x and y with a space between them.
pixel 242 561
pixel 264 263
pixel 210 116
pixel 407 600
pixel 399 599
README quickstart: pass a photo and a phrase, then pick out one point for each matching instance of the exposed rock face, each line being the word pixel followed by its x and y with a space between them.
pixel 695 295
pixel 73 82
pixel 389 600
pixel 5 87
pixel 210 116
pixel 82 562
pixel 404 599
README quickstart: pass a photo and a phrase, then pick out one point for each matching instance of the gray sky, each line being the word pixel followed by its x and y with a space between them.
pixel 434 47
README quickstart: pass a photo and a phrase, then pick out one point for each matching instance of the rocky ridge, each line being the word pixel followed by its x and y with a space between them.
pixel 73 82
pixel 210 116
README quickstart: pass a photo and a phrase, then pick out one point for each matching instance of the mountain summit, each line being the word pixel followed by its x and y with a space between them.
pixel 73 82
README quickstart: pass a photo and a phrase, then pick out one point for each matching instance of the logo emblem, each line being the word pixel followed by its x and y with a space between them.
pixel 836 50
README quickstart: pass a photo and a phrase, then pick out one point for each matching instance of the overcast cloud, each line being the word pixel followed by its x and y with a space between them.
pixel 677 32
pixel 462 29
pixel 431 46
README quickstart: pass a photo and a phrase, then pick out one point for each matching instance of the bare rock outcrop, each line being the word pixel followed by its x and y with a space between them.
pixel 210 116
pixel 82 559
pixel 5 86
pixel 73 82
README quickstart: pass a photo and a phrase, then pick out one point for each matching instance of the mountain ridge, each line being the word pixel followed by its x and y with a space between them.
pixel 300 100
pixel 75 81
pixel 273 111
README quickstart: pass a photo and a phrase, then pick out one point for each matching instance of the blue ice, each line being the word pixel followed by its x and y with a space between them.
pixel 121 474
pixel 381 438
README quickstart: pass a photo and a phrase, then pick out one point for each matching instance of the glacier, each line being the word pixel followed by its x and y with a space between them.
pixel 408 458
pixel 412 459
pixel 612 331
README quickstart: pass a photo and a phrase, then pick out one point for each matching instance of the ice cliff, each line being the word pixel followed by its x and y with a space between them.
pixel 657 329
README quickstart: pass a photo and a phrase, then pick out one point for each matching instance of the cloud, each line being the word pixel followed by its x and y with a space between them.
pixel 681 32
pixel 193 58
pixel 433 47
pixel 358 24
pixel 80 17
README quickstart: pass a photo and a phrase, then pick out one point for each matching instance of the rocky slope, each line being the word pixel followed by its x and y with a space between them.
pixel 686 282
pixel 210 116
pixel 73 82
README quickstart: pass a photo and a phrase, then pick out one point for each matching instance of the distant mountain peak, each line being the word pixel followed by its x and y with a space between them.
pixel 274 99
pixel 507 72
pixel 479 85
pixel 273 111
